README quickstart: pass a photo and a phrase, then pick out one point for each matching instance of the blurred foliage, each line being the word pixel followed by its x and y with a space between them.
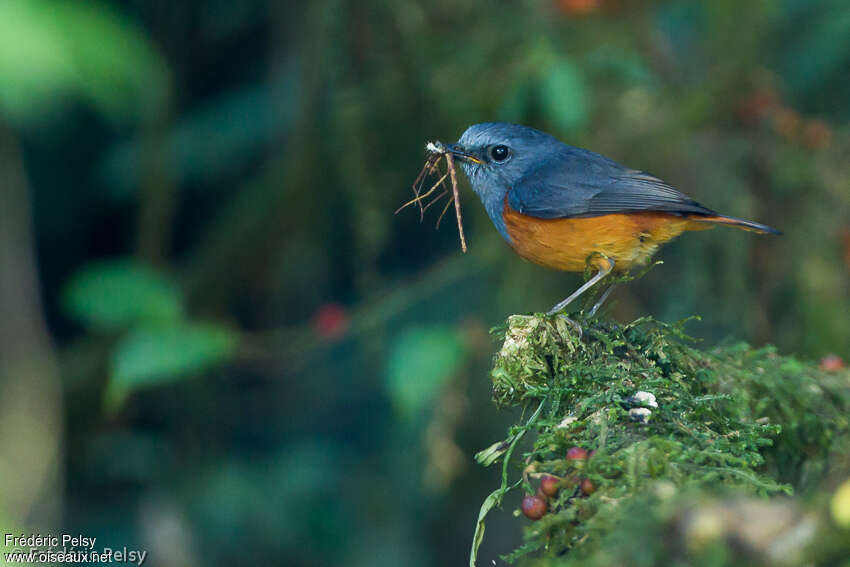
pixel 118 294
pixel 151 356
pixel 664 526
pixel 52 48
pixel 647 411
pixel 292 369
pixel 155 344
pixel 433 355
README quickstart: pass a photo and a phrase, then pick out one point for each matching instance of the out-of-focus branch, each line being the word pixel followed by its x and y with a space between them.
pixel 158 192
pixel 253 218
pixel 31 419
pixel 295 347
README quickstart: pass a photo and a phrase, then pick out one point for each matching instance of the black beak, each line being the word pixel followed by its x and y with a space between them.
pixel 459 152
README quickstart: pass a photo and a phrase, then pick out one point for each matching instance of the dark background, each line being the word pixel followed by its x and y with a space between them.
pixel 216 340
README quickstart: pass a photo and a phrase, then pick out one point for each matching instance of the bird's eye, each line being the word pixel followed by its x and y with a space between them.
pixel 500 153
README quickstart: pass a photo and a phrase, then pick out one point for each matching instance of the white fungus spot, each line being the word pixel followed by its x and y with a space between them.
pixel 520 327
pixel 566 421
pixel 645 399
pixel 640 415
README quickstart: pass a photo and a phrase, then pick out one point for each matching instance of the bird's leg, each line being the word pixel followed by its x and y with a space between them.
pixel 604 270
pixel 573 324
pixel 601 300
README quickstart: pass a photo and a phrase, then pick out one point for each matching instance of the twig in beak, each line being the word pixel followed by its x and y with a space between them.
pixel 450 161
pixel 438 151
pixel 427 169
pixel 418 198
pixel 446 208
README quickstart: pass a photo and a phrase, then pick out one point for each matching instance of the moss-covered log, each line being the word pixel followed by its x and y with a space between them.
pixel 669 443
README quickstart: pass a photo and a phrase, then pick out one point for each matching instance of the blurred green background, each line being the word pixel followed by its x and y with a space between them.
pixel 216 340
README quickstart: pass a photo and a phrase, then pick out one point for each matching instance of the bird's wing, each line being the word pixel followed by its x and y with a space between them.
pixel 581 183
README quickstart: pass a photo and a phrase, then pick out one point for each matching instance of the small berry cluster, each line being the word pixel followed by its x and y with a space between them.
pixel 535 506
pixel 831 363
pixel 578 7
pixel 765 105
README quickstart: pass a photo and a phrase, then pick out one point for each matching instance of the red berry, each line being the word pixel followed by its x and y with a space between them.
pixel 577 454
pixel 578 7
pixel 549 485
pixel 534 507
pixel 786 122
pixel 758 105
pixel 831 363
pixel 587 487
pixel 817 134
pixel 331 321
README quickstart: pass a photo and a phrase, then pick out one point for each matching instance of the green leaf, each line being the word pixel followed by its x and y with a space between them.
pixel 563 95
pixel 420 361
pixel 495 497
pixel 117 294
pixel 491 454
pixel 840 505
pixel 152 356
pixel 51 49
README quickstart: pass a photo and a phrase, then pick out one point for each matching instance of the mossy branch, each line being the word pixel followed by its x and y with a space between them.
pixel 656 414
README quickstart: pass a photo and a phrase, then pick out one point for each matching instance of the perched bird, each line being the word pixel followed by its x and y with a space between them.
pixel 562 207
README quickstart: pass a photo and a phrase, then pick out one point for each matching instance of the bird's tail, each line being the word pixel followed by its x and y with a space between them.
pixel 732 221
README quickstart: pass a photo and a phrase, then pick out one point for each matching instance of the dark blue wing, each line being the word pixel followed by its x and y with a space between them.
pixel 581 183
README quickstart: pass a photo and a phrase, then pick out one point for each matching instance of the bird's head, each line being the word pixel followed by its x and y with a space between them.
pixel 495 155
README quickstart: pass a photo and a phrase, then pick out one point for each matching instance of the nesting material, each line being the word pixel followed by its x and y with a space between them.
pixel 437 152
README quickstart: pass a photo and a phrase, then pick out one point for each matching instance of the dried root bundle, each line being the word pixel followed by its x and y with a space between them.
pixel 437 152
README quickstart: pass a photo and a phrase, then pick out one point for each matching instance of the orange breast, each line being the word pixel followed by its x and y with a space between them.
pixel 565 244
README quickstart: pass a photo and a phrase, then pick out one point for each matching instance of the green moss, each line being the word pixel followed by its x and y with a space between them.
pixel 728 418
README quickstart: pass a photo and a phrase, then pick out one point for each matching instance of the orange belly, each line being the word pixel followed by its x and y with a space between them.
pixel 628 239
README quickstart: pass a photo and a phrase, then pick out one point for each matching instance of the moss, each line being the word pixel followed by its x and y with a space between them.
pixel 658 413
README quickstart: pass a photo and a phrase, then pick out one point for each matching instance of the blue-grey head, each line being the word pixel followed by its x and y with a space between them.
pixel 496 155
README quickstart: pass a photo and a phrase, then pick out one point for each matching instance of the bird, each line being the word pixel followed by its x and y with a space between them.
pixel 564 207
